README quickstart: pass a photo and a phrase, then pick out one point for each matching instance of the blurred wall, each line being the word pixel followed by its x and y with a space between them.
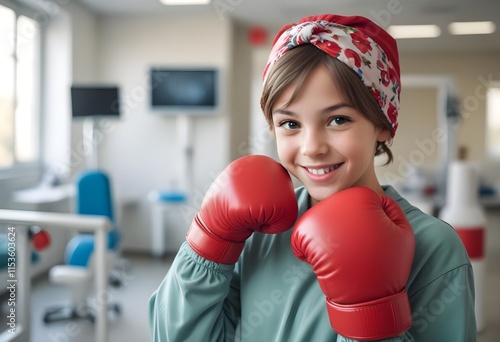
pixel 141 150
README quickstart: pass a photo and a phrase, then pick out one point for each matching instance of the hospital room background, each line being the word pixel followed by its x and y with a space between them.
pixel 149 159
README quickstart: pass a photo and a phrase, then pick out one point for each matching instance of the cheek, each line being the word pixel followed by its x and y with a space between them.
pixel 367 153
pixel 357 147
pixel 286 149
pixel 282 148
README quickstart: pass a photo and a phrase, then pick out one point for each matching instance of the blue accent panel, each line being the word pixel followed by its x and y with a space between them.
pixel 94 194
pixel 93 198
pixel 172 197
pixel 81 246
pixel 34 257
pixel 79 249
pixel 4 252
pixel 114 238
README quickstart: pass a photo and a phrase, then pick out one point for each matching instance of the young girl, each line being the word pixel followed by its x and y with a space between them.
pixel 385 270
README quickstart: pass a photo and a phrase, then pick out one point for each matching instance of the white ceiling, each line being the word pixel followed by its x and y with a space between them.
pixel 275 13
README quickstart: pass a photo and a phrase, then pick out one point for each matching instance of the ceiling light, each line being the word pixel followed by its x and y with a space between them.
pixel 185 2
pixel 414 31
pixel 472 27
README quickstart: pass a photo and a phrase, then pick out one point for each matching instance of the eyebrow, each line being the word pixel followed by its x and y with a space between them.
pixel 323 111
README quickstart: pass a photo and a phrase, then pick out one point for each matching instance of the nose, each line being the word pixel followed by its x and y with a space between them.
pixel 314 143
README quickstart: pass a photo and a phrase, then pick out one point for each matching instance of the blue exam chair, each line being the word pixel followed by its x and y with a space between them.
pixel 93 197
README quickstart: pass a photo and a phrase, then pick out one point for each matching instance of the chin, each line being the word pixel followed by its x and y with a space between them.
pixel 318 196
pixel 321 194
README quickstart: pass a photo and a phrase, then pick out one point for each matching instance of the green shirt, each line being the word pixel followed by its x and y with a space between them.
pixel 269 295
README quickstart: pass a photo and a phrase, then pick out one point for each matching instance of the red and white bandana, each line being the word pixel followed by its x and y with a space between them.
pixel 357 42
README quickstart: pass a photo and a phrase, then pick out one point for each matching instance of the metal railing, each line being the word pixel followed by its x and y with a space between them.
pixel 20 221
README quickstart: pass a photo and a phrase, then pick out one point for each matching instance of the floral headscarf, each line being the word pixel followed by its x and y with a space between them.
pixel 357 42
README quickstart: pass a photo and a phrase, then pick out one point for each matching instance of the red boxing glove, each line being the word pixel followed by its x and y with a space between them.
pixel 253 194
pixel 361 246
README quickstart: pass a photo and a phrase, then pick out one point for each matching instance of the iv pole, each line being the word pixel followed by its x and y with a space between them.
pixel 90 143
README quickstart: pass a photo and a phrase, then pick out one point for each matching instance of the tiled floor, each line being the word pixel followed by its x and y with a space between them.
pixel 140 281
pixel 146 273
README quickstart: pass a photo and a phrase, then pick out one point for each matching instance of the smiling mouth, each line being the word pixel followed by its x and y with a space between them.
pixel 324 170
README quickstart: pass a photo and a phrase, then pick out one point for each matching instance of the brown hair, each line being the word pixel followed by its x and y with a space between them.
pixel 294 67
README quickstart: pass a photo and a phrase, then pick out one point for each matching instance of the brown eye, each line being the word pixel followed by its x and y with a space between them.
pixel 339 121
pixel 289 125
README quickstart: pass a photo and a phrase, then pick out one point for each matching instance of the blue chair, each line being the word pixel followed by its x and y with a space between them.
pixel 93 197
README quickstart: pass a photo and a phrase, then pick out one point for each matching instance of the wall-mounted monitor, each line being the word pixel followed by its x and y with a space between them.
pixel 95 101
pixel 185 91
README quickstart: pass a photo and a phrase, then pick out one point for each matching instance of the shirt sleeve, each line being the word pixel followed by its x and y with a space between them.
pixel 442 310
pixel 196 301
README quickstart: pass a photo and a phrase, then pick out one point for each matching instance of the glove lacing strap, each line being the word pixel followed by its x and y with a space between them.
pixel 374 320
pixel 210 246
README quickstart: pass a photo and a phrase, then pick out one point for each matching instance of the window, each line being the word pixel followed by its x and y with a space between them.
pixel 19 89
pixel 493 122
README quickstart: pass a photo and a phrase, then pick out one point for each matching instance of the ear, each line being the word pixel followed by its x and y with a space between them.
pixel 383 135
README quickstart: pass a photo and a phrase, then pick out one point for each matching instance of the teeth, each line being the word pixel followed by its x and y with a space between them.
pixel 320 172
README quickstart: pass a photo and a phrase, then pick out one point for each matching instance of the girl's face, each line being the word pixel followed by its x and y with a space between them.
pixel 323 141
